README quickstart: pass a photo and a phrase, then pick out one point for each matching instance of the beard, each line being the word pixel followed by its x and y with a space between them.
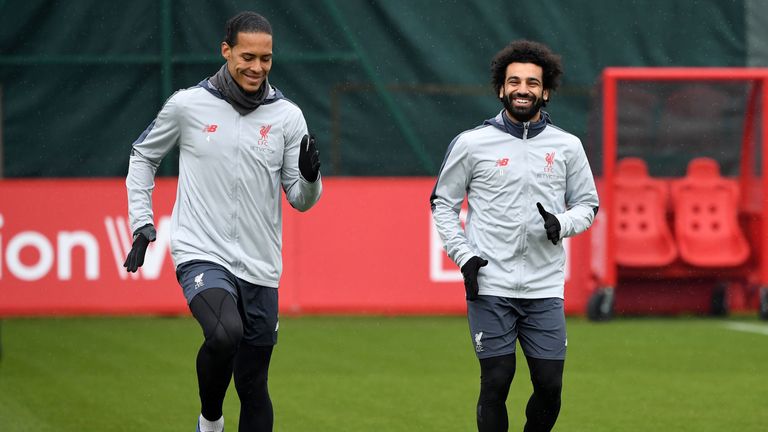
pixel 522 114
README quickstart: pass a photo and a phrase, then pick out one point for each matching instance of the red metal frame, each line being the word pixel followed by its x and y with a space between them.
pixel 759 79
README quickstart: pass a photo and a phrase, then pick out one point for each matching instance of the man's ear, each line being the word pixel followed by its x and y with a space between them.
pixel 226 50
pixel 501 92
pixel 545 95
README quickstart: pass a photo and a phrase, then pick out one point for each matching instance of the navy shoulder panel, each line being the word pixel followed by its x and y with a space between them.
pixel 278 96
pixel 211 89
pixel 445 159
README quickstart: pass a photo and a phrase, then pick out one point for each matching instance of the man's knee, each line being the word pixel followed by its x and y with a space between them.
pixel 547 377
pixel 225 337
pixel 496 374
pixel 549 387
pixel 216 311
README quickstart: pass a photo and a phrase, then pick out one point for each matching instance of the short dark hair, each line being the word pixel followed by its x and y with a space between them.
pixel 525 51
pixel 245 22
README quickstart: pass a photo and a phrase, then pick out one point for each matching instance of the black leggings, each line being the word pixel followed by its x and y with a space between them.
pixel 222 353
pixel 496 374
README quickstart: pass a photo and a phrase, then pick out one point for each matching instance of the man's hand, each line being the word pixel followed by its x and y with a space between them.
pixel 469 270
pixel 141 239
pixel 309 159
pixel 551 224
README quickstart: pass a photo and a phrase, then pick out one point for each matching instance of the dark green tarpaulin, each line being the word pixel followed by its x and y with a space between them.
pixel 385 85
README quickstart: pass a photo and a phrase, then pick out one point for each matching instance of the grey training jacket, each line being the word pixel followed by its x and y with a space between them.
pixel 231 168
pixel 504 169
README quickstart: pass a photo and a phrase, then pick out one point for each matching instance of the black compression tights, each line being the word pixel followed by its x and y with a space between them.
pixel 222 353
pixel 496 374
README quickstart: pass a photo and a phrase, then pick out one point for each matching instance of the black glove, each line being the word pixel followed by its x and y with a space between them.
pixel 551 224
pixel 141 239
pixel 309 159
pixel 469 270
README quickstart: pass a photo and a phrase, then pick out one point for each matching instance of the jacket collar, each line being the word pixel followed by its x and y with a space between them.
pixel 503 123
pixel 274 92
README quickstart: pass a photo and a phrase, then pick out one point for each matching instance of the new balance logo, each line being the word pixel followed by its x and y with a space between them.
pixel 208 130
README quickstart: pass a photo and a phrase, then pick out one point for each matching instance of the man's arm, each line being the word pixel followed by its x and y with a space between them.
pixel 447 196
pixel 301 193
pixel 580 196
pixel 147 153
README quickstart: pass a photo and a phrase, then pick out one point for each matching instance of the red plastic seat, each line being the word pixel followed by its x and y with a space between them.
pixel 643 237
pixel 706 217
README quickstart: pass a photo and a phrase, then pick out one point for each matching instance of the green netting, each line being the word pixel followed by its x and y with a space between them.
pixel 384 84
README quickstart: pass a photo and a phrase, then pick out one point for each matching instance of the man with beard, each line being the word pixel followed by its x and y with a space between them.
pixel 240 140
pixel 528 185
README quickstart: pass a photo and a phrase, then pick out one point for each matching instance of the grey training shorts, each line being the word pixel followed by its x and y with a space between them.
pixel 257 304
pixel 495 323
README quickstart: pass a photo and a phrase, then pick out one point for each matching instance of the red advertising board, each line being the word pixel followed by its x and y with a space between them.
pixel 368 246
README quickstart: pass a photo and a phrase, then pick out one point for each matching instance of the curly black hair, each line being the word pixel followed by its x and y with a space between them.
pixel 525 51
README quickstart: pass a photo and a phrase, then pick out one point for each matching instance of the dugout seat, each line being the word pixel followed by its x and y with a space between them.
pixel 706 217
pixel 643 237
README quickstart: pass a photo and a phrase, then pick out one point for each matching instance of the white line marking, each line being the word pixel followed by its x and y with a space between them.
pixel 750 328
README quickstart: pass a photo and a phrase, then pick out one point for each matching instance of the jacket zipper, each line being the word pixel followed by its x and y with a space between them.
pixel 236 193
pixel 524 244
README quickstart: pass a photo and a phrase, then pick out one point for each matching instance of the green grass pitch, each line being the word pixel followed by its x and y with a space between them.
pixel 383 374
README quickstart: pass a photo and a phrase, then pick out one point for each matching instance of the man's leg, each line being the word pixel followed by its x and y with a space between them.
pixel 216 311
pixel 496 374
pixel 493 328
pixel 544 342
pixel 260 322
pixel 251 371
pixel 544 404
